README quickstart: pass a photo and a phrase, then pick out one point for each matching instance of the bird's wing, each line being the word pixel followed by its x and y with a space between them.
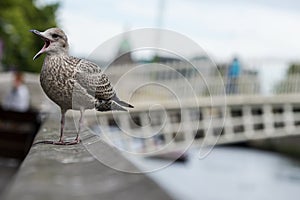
pixel 90 76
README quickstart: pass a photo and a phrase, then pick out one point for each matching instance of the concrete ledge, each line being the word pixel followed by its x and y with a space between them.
pixel 71 172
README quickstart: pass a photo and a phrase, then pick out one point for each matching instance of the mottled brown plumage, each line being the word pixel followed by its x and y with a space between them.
pixel 73 83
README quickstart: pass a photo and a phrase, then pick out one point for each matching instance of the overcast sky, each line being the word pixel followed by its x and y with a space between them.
pixel 253 29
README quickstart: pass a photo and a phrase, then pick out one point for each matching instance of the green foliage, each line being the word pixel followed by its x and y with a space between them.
pixel 294 69
pixel 290 83
pixel 17 17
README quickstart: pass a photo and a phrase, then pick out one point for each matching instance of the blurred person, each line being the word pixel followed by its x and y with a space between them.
pixel 234 71
pixel 18 97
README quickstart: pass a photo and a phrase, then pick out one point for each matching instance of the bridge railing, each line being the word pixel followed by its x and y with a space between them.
pixel 166 129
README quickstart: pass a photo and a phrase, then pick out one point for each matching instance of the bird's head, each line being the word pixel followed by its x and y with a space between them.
pixel 56 42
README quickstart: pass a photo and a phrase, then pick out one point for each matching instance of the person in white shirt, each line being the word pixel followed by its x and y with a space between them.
pixel 18 98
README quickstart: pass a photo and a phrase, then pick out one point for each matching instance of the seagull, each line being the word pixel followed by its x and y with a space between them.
pixel 73 83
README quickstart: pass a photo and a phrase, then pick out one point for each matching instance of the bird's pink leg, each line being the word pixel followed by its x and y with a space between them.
pixel 80 125
pixel 62 125
pixel 61 140
pixel 77 140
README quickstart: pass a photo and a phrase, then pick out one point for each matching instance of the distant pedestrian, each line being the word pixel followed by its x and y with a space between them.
pixel 18 97
pixel 234 71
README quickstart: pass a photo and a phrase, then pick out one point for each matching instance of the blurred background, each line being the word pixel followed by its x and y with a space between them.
pixel 249 63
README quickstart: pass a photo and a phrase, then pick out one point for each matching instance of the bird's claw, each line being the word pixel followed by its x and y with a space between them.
pixel 60 142
pixel 76 141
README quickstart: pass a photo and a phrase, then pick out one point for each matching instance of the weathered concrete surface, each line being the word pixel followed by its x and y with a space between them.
pixel 71 172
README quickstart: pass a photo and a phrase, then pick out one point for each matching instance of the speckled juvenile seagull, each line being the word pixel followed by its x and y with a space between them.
pixel 73 83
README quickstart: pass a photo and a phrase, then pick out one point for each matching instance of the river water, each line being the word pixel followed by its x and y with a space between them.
pixel 230 173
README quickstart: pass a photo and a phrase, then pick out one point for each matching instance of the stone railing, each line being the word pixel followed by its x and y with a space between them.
pixel 71 172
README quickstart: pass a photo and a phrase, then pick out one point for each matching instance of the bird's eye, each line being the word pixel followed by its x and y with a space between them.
pixel 55 35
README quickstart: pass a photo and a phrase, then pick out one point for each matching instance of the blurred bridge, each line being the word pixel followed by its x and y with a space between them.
pixel 179 105
pixel 182 104
pixel 168 128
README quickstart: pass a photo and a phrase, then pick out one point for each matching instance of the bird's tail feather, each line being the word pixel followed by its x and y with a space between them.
pixel 116 106
pixel 108 105
pixel 122 103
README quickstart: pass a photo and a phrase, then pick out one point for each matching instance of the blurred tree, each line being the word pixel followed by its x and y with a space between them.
pixel 17 17
pixel 294 69
pixel 290 83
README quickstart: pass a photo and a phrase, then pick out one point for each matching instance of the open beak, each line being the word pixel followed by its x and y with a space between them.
pixel 46 45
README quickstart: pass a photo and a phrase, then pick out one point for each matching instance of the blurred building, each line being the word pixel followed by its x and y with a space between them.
pixel 124 55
